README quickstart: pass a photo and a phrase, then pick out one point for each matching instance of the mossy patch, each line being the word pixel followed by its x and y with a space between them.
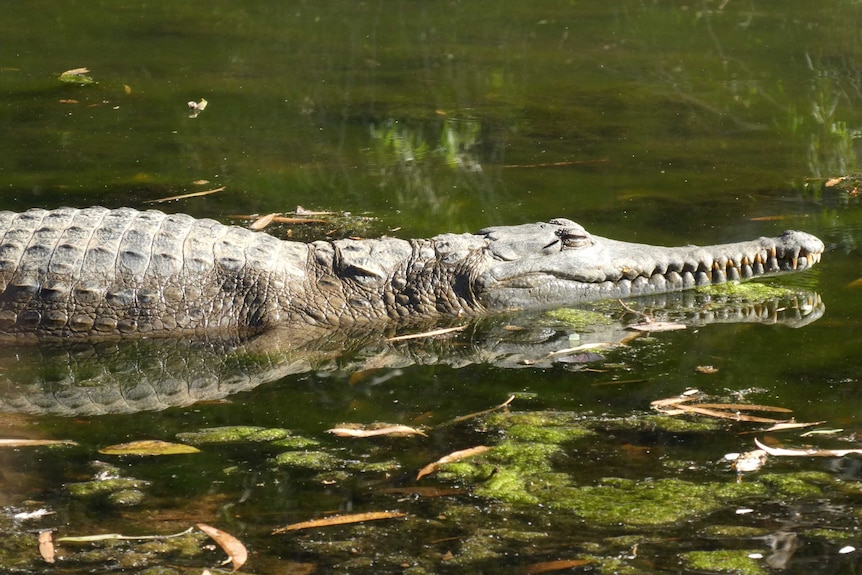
pixel 233 434
pixel 312 460
pixel 104 487
pixel 657 422
pixel 804 485
pixel 649 503
pixel 733 532
pixel 736 562
pixel 126 497
pixel 540 426
pixel 830 535
pixel 577 319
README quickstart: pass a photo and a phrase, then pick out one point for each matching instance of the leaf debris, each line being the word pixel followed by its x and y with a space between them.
pixel 451 458
pixel 373 431
pixel 340 520
pixel 236 551
pixel 46 546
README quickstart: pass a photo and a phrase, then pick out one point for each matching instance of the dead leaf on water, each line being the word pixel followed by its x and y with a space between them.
pixel 236 551
pixel 262 222
pixel 185 196
pixel 148 447
pixel 706 369
pixel 76 76
pixel 46 546
pixel 431 333
pixel 548 566
pixel 375 430
pixel 781 452
pixel 340 520
pixel 120 537
pixel 195 108
pixel 657 326
pixel 280 219
pixel 461 418
pixel 34 442
pixel 451 458
pixel 421 491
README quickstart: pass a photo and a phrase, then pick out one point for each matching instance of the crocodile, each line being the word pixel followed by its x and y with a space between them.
pixel 99 274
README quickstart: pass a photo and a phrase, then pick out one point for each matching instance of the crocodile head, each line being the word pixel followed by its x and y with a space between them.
pixel 560 262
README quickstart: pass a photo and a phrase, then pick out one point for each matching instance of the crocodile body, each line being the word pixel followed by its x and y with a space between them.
pixel 94 274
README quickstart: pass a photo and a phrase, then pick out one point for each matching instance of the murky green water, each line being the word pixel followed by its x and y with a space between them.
pixel 667 123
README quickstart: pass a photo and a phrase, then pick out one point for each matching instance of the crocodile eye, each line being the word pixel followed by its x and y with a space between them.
pixel 574 238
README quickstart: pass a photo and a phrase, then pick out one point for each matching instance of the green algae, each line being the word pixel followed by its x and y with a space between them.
pixel 806 485
pixel 658 422
pixel 126 497
pixel 526 456
pixel 578 319
pixel 104 487
pixel 539 426
pixel 736 562
pixel 830 535
pixel 556 434
pixel 507 485
pixel 733 532
pixel 233 434
pixel 312 460
pixel 625 502
pixel 296 442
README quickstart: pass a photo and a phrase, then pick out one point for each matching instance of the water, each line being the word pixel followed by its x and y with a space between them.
pixel 678 123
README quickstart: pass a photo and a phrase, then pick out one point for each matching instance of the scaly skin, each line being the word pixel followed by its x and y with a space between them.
pixel 97 274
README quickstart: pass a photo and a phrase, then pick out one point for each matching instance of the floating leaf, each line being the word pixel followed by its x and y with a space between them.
pixel 422 491
pixel 185 196
pixel 148 447
pixel 340 520
pixel 547 566
pixel 777 451
pixel 372 431
pixel 118 537
pixel 451 458
pixel 195 108
pixel 46 546
pixel 77 76
pixel 793 425
pixel 431 333
pixel 262 222
pixel 657 326
pixel 34 442
pixel 236 551
pixel 821 431
pixel 462 418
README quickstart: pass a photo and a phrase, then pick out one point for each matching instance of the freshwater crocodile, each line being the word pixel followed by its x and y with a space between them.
pixel 95 274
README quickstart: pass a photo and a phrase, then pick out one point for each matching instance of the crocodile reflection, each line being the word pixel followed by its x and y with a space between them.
pixel 145 375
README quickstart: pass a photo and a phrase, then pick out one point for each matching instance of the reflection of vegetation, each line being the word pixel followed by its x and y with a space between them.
pixel 424 162
pixel 830 150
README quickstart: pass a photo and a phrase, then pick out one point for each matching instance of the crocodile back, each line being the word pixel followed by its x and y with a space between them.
pixel 96 272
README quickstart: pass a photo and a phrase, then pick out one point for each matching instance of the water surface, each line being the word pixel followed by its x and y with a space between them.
pixel 670 123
